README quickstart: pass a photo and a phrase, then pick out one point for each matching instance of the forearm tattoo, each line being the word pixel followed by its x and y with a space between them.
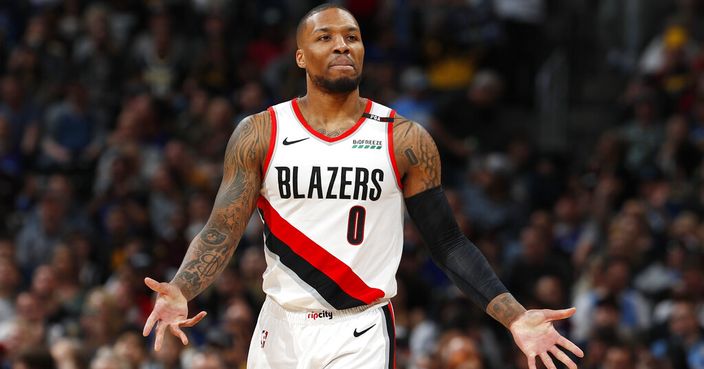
pixel 505 309
pixel 210 252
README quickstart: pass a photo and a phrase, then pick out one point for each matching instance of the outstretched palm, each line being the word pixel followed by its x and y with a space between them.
pixel 170 312
pixel 535 336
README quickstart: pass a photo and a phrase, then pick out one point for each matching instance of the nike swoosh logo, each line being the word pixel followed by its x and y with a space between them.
pixel 357 334
pixel 287 142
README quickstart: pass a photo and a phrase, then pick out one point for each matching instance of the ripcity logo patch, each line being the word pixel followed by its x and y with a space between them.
pixel 366 144
pixel 319 315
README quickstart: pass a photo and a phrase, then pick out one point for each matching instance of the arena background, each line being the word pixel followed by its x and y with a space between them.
pixel 571 133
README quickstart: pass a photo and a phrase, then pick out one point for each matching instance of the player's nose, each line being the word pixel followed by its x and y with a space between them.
pixel 340 45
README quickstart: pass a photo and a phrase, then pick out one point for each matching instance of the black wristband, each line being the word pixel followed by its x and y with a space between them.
pixel 455 254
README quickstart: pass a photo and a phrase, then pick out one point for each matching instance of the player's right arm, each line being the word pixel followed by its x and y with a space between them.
pixel 211 250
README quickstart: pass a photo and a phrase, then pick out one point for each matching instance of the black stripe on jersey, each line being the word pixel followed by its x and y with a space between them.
pixel 378 118
pixel 326 287
pixel 391 332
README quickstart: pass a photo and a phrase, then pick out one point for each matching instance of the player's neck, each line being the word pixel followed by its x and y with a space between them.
pixel 331 110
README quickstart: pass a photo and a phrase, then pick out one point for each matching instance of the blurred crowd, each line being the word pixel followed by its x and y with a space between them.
pixel 114 116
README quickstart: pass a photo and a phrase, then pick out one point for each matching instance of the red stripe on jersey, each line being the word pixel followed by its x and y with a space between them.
pixel 392 154
pixel 321 136
pixel 272 142
pixel 317 256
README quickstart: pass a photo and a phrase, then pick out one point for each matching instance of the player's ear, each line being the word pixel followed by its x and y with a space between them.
pixel 300 60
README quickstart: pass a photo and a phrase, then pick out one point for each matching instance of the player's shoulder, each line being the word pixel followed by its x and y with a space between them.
pixel 253 134
pixel 260 120
pixel 405 129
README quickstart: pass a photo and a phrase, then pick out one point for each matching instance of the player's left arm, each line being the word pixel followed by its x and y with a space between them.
pixel 419 167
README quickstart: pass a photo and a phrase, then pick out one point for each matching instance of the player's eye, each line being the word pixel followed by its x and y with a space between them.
pixel 324 38
pixel 352 38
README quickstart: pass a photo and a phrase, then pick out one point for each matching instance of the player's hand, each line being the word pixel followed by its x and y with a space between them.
pixel 170 312
pixel 535 336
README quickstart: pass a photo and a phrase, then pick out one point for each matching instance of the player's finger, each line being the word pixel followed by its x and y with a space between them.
pixel 159 339
pixel 149 324
pixel 564 342
pixel 154 285
pixel 551 315
pixel 547 360
pixel 176 331
pixel 193 321
pixel 531 362
pixel 563 357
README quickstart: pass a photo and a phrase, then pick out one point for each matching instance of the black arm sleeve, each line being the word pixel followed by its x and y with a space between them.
pixel 452 251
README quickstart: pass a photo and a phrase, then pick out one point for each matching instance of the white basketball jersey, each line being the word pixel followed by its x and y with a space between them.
pixel 332 211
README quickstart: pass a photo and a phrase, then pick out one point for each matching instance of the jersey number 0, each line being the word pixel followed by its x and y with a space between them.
pixel 355 225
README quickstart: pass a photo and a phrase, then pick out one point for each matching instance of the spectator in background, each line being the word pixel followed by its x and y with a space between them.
pixel 571 226
pixel 465 121
pixel 662 275
pixel 414 102
pixel 696 122
pixel 672 48
pixel 522 23
pixel 10 154
pixel 99 58
pixel 198 213
pixel 620 356
pixel 690 287
pixel 683 345
pixel 207 360
pixel 642 134
pixel 73 134
pixel 51 52
pixel 22 114
pixel 250 100
pixel 34 358
pixel 612 282
pixel 10 279
pixel 239 322
pixel 68 354
pixel 100 321
pixel 213 67
pixel 487 198
pixel 66 283
pixel 169 357
pixel 458 351
pixel 189 171
pixel 159 57
pixel 536 259
pixel 129 347
pixel 41 233
pixel 218 124
pixel 23 63
pixel 165 200
pixel 107 358
pixel 27 329
pixel 282 77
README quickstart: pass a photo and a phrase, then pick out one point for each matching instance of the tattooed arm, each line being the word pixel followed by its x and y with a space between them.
pixel 419 166
pixel 212 248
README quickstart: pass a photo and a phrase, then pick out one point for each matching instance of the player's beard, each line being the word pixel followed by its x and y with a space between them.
pixel 337 86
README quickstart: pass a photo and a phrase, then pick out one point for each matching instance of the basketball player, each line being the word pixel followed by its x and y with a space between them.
pixel 330 174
